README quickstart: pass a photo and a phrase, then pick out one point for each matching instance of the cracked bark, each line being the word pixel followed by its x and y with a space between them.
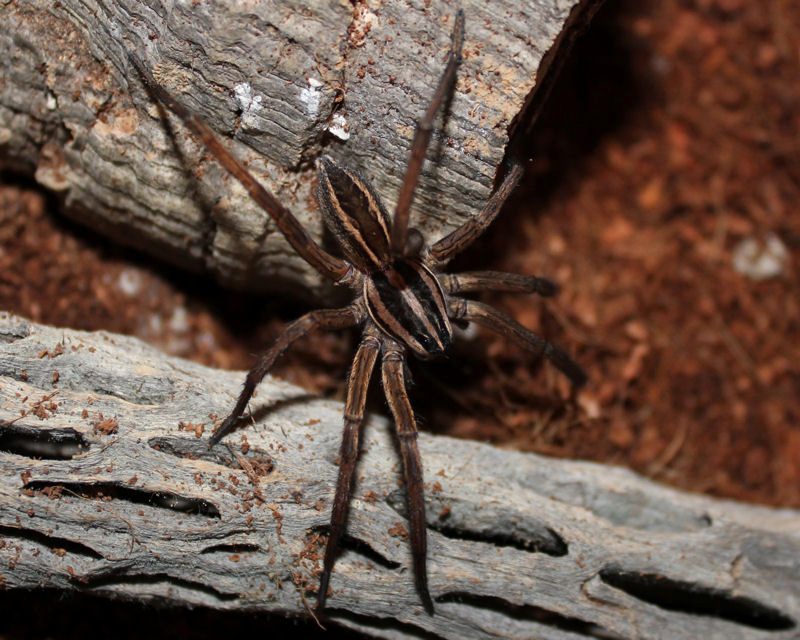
pixel 106 488
pixel 282 82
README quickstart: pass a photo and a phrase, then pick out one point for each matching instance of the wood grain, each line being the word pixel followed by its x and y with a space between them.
pixel 106 488
pixel 283 83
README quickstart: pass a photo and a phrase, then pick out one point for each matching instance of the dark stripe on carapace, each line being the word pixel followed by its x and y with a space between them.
pixel 428 291
pixel 355 215
pixel 406 301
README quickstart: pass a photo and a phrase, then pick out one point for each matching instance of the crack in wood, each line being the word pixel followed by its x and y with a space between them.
pixel 362 548
pixel 530 613
pixel 45 444
pixel 377 624
pixel 111 580
pixel 552 544
pixel 236 547
pixel 117 491
pixel 258 461
pixel 54 543
pixel 696 599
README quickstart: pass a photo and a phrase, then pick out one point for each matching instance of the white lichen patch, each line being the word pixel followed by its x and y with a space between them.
pixel 311 96
pixel 761 259
pixel 129 282
pixel 249 103
pixel 339 127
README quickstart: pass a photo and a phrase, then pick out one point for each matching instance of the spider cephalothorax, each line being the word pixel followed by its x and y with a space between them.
pixel 402 301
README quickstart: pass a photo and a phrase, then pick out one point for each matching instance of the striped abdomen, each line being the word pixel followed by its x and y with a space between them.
pixel 406 301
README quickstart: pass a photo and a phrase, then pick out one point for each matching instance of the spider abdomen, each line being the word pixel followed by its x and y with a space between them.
pixel 407 302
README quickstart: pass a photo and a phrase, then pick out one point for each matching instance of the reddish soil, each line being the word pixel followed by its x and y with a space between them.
pixel 670 139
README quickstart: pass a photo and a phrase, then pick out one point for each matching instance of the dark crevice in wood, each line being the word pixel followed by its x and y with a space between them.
pixel 46 444
pixel 222 454
pixel 551 544
pixel 696 599
pixel 529 613
pixel 243 547
pixel 360 547
pixel 403 629
pixel 113 580
pixel 51 542
pixel 117 491
pixel 505 532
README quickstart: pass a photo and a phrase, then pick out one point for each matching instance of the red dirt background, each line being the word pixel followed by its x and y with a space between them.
pixel 673 136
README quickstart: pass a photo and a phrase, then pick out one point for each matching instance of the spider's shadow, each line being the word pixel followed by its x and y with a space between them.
pixel 200 192
pixel 205 194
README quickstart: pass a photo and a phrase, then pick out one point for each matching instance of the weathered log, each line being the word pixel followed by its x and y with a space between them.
pixel 283 82
pixel 107 487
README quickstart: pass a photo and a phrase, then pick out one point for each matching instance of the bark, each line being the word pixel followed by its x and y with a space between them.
pixel 283 83
pixel 107 487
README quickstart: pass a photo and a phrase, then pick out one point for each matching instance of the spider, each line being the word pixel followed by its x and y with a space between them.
pixel 401 300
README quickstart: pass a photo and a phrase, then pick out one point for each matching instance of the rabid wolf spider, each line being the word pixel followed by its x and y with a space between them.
pixel 402 301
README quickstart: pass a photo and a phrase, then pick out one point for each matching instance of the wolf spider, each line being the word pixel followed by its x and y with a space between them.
pixel 402 301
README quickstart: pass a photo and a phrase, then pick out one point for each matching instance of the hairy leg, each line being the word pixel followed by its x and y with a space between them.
pixel 499 322
pixel 472 229
pixel 357 386
pixel 422 137
pixel 329 266
pixel 395 388
pixel 496 281
pixel 321 319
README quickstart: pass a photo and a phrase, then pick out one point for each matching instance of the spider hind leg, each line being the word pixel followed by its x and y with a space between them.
pixel 394 385
pixel 358 383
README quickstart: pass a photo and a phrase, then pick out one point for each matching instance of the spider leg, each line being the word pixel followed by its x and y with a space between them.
pixel 329 266
pixel 471 230
pixel 470 281
pixel 499 322
pixel 357 386
pixel 396 394
pixel 320 319
pixel 422 136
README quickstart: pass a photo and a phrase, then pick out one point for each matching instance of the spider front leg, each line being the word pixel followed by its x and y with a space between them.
pixel 422 137
pixel 491 318
pixel 394 387
pixel 321 319
pixel 471 230
pixel 363 364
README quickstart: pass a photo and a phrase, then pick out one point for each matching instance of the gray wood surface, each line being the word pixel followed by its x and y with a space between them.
pixel 106 488
pixel 283 83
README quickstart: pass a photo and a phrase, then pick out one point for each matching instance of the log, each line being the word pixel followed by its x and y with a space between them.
pixel 282 83
pixel 107 487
